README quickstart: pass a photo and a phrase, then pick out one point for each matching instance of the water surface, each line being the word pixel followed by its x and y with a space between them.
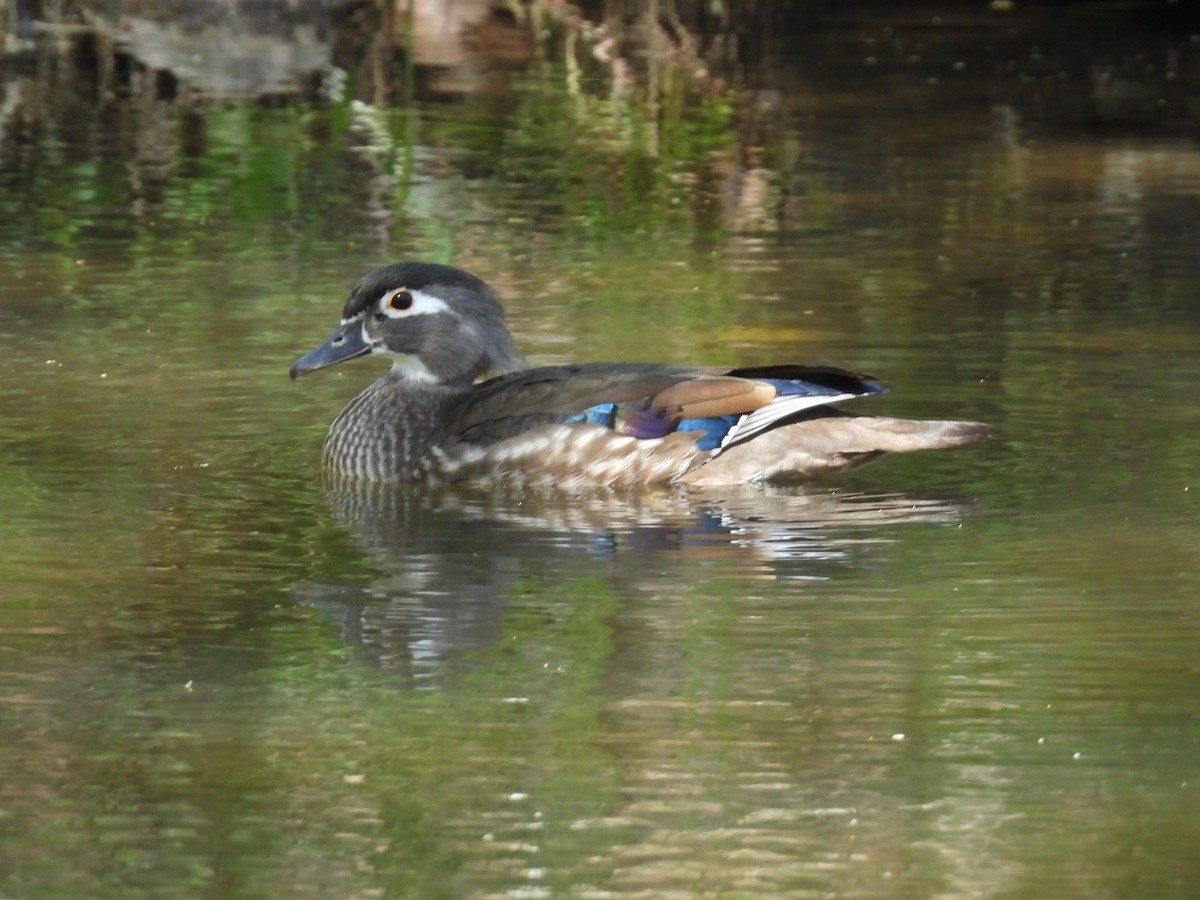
pixel 962 674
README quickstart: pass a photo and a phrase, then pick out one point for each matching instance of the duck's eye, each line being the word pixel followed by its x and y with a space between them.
pixel 400 300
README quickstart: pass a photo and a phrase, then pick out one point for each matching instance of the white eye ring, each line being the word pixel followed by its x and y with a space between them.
pixel 400 302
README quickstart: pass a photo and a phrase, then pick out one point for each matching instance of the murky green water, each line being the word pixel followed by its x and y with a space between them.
pixel 960 675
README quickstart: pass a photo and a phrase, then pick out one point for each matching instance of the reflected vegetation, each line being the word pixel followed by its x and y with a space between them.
pixel 959 675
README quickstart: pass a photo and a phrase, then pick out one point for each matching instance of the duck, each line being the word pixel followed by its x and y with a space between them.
pixel 461 403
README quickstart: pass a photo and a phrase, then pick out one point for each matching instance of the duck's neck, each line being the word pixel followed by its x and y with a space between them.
pixel 386 432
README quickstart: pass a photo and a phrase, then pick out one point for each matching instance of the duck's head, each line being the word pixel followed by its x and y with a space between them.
pixel 436 323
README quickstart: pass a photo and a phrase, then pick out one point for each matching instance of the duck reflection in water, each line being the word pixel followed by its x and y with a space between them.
pixel 451 561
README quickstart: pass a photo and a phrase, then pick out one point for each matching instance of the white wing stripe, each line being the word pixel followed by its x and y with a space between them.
pixel 780 408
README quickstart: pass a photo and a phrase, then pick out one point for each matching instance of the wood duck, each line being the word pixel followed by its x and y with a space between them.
pixel 432 419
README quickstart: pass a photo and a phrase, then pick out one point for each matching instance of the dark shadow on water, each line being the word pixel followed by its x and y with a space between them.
pixel 452 561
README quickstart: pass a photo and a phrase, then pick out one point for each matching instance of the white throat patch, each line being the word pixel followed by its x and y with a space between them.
pixel 409 366
pixel 404 364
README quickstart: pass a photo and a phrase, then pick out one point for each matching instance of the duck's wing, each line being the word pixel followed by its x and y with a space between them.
pixel 798 389
pixel 650 400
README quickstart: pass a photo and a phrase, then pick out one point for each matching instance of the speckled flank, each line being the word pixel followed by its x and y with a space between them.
pixel 382 435
pixel 572 456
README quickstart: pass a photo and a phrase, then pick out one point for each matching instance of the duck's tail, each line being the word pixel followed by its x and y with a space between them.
pixel 819 445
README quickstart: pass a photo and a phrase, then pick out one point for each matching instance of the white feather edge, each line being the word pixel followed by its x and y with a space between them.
pixel 764 417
